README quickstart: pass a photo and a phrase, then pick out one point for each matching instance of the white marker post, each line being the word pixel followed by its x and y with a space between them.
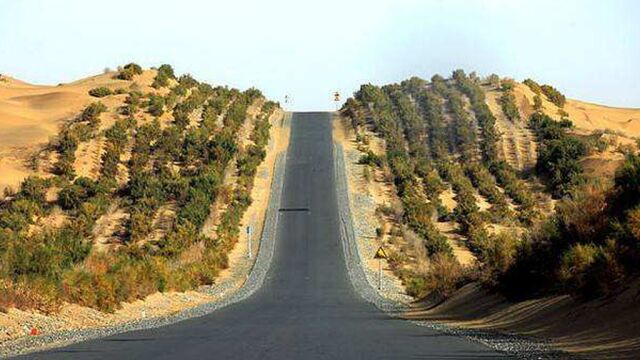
pixel 249 231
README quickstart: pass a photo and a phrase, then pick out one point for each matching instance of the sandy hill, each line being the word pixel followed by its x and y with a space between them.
pixel 620 127
pixel 31 114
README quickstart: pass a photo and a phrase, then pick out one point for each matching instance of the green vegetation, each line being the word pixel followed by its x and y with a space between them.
pixel 156 105
pixel 553 95
pixel 165 73
pixel 549 91
pixel 178 165
pixel 100 92
pixel 508 103
pixel 559 153
pixel 434 137
pixel 534 86
pixel 129 71
pixel 589 247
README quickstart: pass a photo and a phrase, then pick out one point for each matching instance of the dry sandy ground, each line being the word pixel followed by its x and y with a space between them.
pixel 598 329
pixel 31 114
pixel 17 323
pixel 450 230
pixel 588 116
pixel 517 143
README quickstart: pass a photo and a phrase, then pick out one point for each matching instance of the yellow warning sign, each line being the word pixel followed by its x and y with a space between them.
pixel 380 254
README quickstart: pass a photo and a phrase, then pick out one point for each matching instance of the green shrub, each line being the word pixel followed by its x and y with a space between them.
pixel 370 158
pixel 575 263
pixel 100 92
pixel 553 95
pixel 132 103
pixel 156 105
pixel 537 103
pixel 129 71
pixel 91 113
pixel 165 72
pixel 534 86
pixel 508 102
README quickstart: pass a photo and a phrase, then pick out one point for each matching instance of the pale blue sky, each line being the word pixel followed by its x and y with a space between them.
pixel 590 50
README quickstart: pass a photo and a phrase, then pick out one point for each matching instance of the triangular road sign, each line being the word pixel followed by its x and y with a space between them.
pixel 380 254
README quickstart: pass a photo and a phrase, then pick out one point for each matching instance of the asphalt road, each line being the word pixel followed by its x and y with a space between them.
pixel 307 308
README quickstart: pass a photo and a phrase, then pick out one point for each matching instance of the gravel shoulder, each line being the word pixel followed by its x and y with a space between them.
pixel 355 227
pixel 240 281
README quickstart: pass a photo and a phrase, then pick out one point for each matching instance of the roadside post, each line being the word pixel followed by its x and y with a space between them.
pixel 380 254
pixel 249 231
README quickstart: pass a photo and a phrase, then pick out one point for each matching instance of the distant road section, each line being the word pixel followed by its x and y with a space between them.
pixel 307 307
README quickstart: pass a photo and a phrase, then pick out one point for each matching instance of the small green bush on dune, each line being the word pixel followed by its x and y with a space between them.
pixel 100 92
pixel 165 72
pixel 129 71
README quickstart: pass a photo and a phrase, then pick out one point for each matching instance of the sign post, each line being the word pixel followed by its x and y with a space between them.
pixel 249 231
pixel 336 98
pixel 380 254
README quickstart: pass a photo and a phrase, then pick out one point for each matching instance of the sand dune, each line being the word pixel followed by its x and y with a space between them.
pixel 588 116
pixel 31 114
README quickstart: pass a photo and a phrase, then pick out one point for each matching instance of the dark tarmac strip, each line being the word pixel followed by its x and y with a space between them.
pixel 307 307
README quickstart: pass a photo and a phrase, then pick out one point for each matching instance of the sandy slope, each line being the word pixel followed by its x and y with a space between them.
pixel 17 323
pixel 597 329
pixel 588 116
pixel 31 114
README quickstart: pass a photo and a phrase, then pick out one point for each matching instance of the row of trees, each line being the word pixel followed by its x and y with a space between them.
pixel 555 96
pixel 181 164
pixel 589 247
pixel 80 129
pixel 505 175
pixel 559 153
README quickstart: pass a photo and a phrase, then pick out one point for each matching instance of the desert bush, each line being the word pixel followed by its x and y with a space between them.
pixel 534 86
pixel 132 103
pixel 100 92
pixel 92 112
pixel 494 80
pixel 129 71
pixel 606 273
pixel 508 103
pixel 553 95
pixel 575 263
pixel 497 255
pixel 28 293
pixel 507 84
pixel 165 72
pixel 34 188
pixel 558 155
pixel 71 196
pixel 537 103
pixel 155 105
pixel 370 158
pixel 445 275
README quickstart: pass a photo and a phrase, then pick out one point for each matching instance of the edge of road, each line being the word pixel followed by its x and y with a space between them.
pixel 255 278
pixel 515 345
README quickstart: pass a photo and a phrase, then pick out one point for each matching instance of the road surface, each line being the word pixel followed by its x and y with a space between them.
pixel 307 308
